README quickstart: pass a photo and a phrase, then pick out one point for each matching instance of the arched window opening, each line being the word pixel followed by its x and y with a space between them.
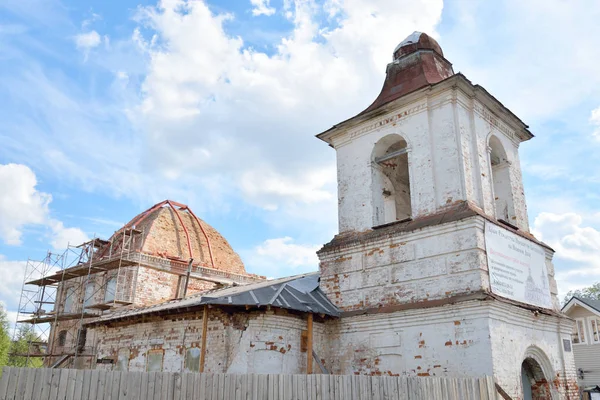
pixel 62 338
pixel 391 181
pixel 111 290
pixel 534 383
pixel 503 198
pixel 68 300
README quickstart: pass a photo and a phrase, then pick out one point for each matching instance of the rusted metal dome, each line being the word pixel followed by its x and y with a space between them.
pixel 418 62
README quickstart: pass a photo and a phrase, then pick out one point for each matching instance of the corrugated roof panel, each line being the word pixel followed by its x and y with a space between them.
pixel 300 293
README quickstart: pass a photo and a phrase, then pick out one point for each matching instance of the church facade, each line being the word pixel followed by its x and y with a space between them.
pixel 433 273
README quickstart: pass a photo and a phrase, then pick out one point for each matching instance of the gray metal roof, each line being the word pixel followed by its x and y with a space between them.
pixel 299 293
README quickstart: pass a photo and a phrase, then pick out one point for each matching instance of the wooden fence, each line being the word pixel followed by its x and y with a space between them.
pixel 70 384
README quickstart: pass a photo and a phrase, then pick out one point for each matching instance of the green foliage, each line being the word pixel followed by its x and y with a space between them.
pixel 592 292
pixel 25 343
pixel 4 337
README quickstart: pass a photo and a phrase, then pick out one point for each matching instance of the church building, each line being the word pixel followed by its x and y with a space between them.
pixel 434 272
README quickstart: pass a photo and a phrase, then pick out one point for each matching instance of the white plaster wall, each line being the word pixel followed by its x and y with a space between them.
pixel 485 125
pixel 447 133
pixel 271 344
pixel 427 264
pixel 260 342
pixel 448 341
pixel 515 330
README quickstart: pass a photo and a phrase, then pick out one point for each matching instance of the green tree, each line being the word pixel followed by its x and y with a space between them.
pixel 4 336
pixel 26 342
pixel 592 292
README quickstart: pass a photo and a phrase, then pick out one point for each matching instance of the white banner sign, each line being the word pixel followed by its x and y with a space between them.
pixel 517 267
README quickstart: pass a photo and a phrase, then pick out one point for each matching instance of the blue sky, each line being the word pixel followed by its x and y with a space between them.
pixel 108 107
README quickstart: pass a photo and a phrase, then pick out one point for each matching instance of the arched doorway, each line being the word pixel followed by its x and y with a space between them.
pixel 534 382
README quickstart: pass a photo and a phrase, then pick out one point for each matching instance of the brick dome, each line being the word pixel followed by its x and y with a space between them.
pixel 171 230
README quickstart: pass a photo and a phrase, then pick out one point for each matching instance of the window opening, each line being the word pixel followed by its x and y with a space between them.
pixel 503 199
pixel 579 332
pixel 122 360
pixel 69 296
pixel 62 338
pixel 391 181
pixel 595 329
pixel 111 289
pixel 154 360
pixel 192 359
pixel 89 294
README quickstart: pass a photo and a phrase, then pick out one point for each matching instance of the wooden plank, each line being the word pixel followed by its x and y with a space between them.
pixel 203 342
pixel 34 374
pixel 144 384
pixel 23 376
pixel 71 381
pixel 309 344
pixel 46 385
pixel 6 373
pixel 62 385
pixel 177 383
pixel 157 392
pixel 207 387
pixel 191 386
pixel 116 385
pixel 166 392
pixel 87 380
pixel 255 387
pixel 13 381
pixel 94 378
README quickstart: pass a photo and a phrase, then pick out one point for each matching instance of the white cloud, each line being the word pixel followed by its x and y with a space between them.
pixel 21 205
pixel 88 40
pixel 577 247
pixel 281 256
pixel 595 121
pixel 542 45
pixel 12 273
pixel 262 7
pixel 215 108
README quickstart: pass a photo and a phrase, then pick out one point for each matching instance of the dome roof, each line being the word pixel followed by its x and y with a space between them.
pixel 417 41
pixel 171 230
pixel 418 62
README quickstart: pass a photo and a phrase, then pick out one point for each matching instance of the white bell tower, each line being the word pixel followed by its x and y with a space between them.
pixel 429 141
pixel 434 267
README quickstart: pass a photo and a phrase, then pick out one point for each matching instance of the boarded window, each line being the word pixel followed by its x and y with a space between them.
pixel 154 361
pixel 192 359
pixel 69 297
pixel 111 289
pixel 62 338
pixel 122 360
pixel 89 294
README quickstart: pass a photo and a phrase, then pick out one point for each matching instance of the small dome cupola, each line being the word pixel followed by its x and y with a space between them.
pixel 418 62
pixel 417 41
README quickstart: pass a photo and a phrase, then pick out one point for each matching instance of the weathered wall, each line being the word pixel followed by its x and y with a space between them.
pixel 264 341
pixel 517 334
pixel 447 133
pixel 431 263
pixel 452 340
pixel 154 286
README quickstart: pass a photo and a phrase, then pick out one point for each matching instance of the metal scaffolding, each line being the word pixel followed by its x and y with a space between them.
pixel 64 290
